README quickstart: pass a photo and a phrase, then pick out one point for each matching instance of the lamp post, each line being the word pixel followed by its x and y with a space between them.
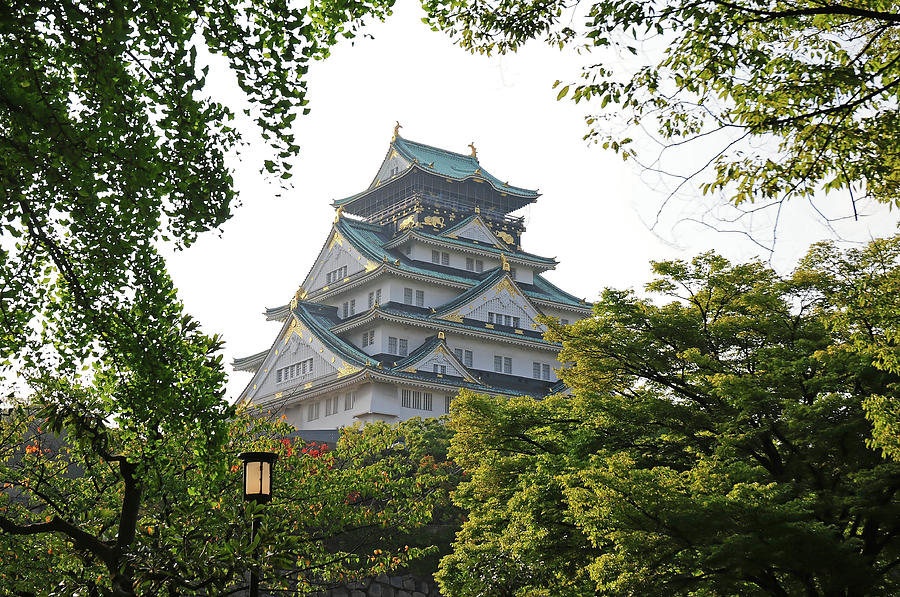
pixel 257 488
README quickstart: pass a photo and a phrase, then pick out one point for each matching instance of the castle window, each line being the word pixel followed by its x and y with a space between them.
pixel 374 297
pixel 312 412
pixel 392 345
pixel 404 347
pixel 464 356
pixel 335 275
pixel 479 265
pixel 420 298
pixel 407 296
pixel 442 369
pixel 540 371
pixel 293 371
pixel 440 257
pixel 368 338
pixel 352 306
pixel 447 401
pixel 349 400
pixel 415 399
pixel 502 364
pixel 346 309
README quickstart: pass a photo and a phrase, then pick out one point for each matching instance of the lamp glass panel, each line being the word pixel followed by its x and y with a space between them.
pixel 258 478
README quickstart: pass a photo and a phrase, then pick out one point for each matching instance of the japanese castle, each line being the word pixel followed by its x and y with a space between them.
pixel 420 289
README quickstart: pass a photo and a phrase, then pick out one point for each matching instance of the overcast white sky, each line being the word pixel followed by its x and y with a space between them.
pixel 589 215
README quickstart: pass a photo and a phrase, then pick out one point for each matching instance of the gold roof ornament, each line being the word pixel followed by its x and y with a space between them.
pixel 338 213
pixel 397 128
pixel 474 153
pixel 298 296
pixel 441 336
pixel 503 262
pixel 477 209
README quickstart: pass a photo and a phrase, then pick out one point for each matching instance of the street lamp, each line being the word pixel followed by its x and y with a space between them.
pixel 258 475
pixel 257 488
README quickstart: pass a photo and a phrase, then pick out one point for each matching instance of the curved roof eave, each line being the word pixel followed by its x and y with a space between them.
pixel 530 195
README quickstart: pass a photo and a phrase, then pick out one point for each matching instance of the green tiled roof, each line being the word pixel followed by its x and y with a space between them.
pixel 551 292
pixel 460 224
pixel 452 165
pixel 444 323
pixel 370 240
pixel 319 319
pixel 454 383
pixel 485 247
pixel 430 344
pixel 492 278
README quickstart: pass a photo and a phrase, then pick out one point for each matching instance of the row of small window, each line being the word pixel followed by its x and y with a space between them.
pixel 464 356
pixel 294 371
pixel 540 371
pixel 421 400
pixel 474 265
pixel 374 297
pixel 503 364
pixel 368 338
pixel 398 346
pixel 332 406
pixel 335 275
pixel 501 319
pixel 408 297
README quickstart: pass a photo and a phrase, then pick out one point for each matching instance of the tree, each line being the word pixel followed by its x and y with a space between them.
pixel 109 146
pixel 864 284
pixel 111 143
pixel 776 99
pixel 329 521
pixel 712 445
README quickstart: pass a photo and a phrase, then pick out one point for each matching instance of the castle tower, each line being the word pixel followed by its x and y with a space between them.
pixel 421 288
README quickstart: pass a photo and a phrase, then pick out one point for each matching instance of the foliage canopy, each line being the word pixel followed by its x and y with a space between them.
pixel 713 445
pixel 793 95
pixel 191 533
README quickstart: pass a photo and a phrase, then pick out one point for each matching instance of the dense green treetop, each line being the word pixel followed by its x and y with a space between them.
pixel 715 443
pixel 110 141
pixel 327 523
pixel 794 95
